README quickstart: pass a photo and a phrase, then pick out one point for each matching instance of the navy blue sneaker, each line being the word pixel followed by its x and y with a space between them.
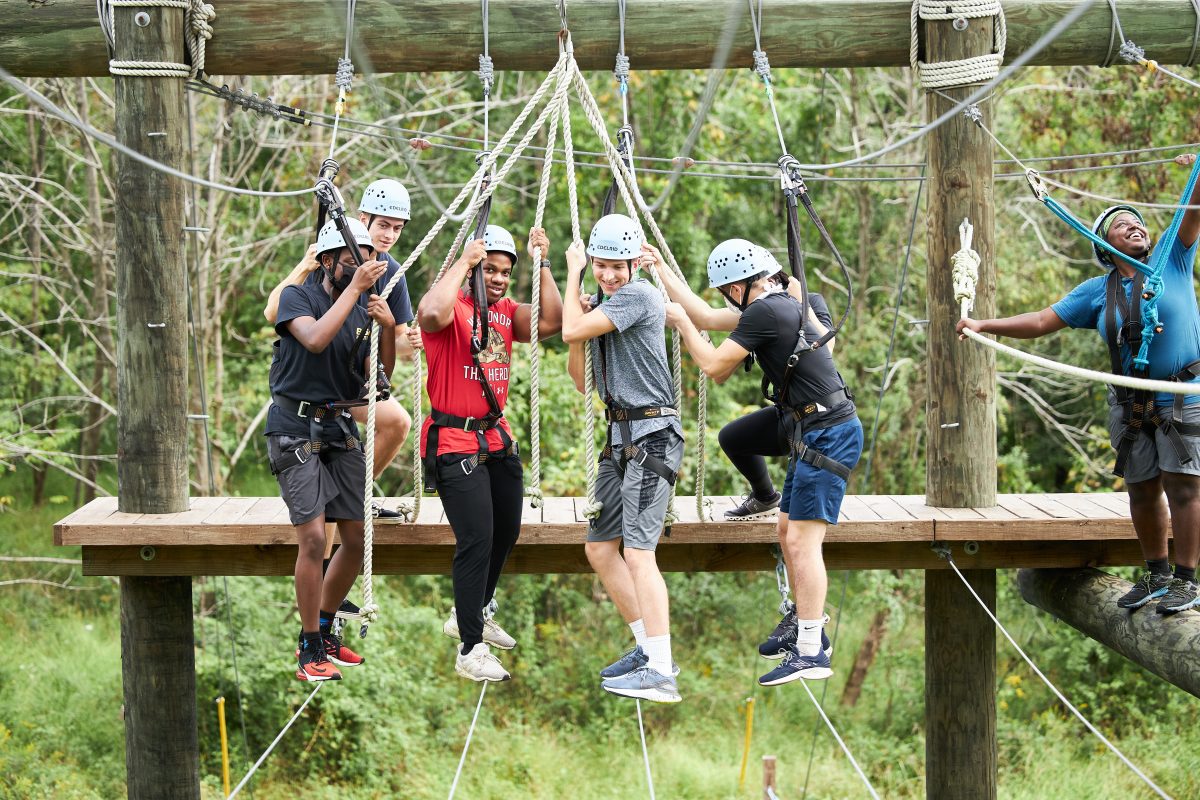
pixel 635 658
pixel 784 637
pixel 796 666
pixel 1148 587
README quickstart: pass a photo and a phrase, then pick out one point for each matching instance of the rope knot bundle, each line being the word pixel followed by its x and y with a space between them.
pixel 344 76
pixel 621 70
pixel 762 66
pixel 977 69
pixel 198 29
pixel 965 265
pixel 486 73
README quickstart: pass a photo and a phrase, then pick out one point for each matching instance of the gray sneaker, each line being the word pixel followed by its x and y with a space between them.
pixel 1147 588
pixel 644 684
pixel 753 508
pixel 631 660
pixel 1181 595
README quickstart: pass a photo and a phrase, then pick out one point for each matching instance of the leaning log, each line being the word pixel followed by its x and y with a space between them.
pixel 1086 599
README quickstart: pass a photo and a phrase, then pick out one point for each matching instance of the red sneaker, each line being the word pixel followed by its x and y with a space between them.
pixel 338 653
pixel 313 665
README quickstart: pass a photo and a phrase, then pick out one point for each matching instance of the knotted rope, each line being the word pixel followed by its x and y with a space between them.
pixel 197 21
pixel 977 69
pixel 370 611
pixel 965 268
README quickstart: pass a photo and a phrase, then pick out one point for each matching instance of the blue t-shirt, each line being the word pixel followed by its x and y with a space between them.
pixel 1179 343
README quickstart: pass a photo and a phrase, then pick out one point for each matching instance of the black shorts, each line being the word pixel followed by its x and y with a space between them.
pixel 331 482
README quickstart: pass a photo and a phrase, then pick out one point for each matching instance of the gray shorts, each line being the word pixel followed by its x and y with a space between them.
pixel 635 504
pixel 1151 455
pixel 329 483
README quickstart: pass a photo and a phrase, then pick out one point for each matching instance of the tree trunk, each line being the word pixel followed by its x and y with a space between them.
pixel 866 657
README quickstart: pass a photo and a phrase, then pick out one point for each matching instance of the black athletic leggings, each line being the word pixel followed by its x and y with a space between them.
pixel 746 441
pixel 484 511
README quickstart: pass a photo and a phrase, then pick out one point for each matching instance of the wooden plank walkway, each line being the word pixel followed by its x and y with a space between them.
pixel 251 535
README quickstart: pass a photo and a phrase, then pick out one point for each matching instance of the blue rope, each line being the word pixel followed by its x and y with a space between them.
pixel 1153 271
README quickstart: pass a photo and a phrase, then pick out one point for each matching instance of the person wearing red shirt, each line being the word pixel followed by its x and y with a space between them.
pixel 467 446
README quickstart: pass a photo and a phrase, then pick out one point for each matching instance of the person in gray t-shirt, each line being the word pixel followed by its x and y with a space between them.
pixel 636 477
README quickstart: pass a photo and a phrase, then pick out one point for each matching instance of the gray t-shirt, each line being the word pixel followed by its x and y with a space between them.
pixel 633 371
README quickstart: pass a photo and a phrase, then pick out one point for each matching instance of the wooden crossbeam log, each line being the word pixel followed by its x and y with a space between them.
pixel 305 37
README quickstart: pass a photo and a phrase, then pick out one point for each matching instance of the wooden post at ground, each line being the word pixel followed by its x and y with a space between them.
pixel 157 647
pixel 960 640
pixel 1086 599
pixel 768 777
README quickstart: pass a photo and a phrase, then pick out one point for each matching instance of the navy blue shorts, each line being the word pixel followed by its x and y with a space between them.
pixel 811 493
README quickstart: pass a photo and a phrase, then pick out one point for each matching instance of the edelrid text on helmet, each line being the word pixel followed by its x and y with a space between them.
pixel 498 240
pixel 737 259
pixel 615 237
pixel 330 238
pixel 386 197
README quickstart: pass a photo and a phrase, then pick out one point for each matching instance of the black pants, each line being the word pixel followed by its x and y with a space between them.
pixel 484 511
pixel 747 440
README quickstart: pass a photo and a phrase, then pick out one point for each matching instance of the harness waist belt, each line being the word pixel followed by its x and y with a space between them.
pixel 476 425
pixel 471 424
pixel 314 408
pixel 618 414
pixel 829 401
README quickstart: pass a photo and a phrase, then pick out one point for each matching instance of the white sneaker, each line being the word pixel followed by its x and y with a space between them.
pixel 493 634
pixel 480 665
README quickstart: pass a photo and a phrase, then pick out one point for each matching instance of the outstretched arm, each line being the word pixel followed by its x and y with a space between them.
pixel 702 314
pixel 717 363
pixel 1023 326
pixel 1189 227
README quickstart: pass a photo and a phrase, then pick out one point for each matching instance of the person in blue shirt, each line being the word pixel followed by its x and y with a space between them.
pixel 1158 453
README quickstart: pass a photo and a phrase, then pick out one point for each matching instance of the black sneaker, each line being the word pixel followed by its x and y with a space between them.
pixel 1180 596
pixel 783 639
pixel 313 663
pixel 753 508
pixel 379 512
pixel 1147 588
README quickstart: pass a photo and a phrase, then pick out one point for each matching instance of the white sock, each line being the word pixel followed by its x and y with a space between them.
pixel 658 648
pixel 808 637
pixel 638 626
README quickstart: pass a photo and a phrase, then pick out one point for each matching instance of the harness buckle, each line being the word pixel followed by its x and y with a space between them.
pixel 639 456
pixel 300 408
pixel 467 423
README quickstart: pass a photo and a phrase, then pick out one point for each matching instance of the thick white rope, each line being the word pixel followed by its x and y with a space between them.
pixel 645 752
pixel 267 752
pixel 467 745
pixel 1062 698
pixel 966 274
pixel 961 72
pixel 829 724
pixel 370 611
pixel 534 490
pixel 198 17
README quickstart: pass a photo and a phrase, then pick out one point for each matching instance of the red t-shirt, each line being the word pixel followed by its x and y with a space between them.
pixel 452 384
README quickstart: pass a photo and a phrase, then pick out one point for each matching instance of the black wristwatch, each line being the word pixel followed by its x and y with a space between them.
pixel 544 263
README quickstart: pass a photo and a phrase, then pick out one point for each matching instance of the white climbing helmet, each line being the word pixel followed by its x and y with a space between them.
pixel 330 238
pixel 737 259
pixel 498 240
pixel 386 197
pixel 1100 228
pixel 615 236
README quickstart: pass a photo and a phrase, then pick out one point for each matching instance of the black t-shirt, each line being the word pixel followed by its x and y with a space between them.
pixel 768 329
pixel 321 377
pixel 398 301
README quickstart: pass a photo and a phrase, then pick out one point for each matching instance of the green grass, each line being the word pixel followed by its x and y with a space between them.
pixel 395 727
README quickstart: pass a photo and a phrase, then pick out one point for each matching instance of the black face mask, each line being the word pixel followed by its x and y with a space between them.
pixel 347 276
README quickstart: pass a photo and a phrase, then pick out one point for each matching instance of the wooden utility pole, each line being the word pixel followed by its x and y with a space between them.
pixel 960 640
pixel 157 647
pixel 259 37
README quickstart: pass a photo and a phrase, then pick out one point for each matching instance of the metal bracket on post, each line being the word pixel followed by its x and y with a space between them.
pixel 941 550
